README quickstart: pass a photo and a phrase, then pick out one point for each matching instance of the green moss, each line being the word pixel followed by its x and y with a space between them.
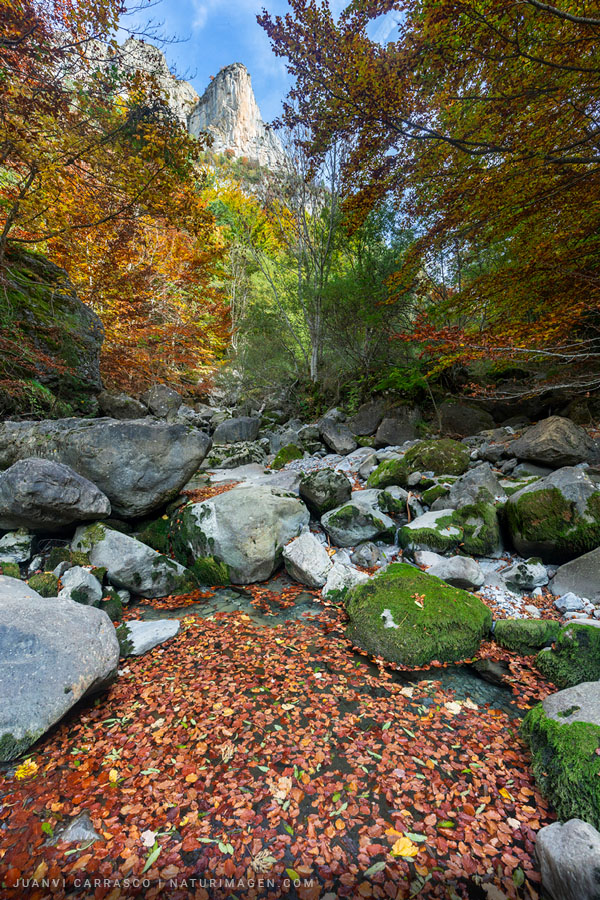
pixel 365 440
pixel 525 636
pixel 210 572
pixel 481 528
pixel 286 455
pixel 575 657
pixel 442 457
pixel 12 747
pixel 65 554
pixel 11 569
pixel 434 493
pixel 45 584
pixel 112 606
pixel 90 536
pixel 447 627
pixel 124 638
pixel 182 526
pixel 566 764
pixel 156 535
pixel 99 572
pixel 546 518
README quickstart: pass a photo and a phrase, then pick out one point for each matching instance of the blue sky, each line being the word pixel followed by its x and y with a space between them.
pixel 214 33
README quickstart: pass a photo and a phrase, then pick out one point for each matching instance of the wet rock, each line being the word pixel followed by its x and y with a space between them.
pixel 569 858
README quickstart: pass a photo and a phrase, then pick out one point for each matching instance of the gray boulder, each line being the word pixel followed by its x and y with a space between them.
pixel 368 418
pixel 139 465
pixel 324 490
pixel 569 858
pixel 342 578
pixel 459 571
pixel 553 442
pixel 307 561
pixel 44 495
pixel 231 431
pixel 353 523
pixel 80 586
pixel 162 400
pixel 463 420
pixel 130 564
pixel 526 575
pixel 245 528
pixel 478 484
pixel 399 426
pixel 121 406
pixel 337 436
pixel 581 576
pixel 366 555
pixel 569 603
pixel 232 456
pixel 434 530
pixel 52 653
pixel 16 547
pixel 136 637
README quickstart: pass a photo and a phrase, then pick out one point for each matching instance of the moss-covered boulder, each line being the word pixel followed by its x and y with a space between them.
pixel 65 554
pixel 525 636
pixel 112 606
pixel 156 535
pixel 409 617
pixel 481 529
pixel 563 734
pixel 436 531
pixel 45 583
pixel 286 455
pixel 441 457
pixel 575 657
pixel 210 572
pixel 324 490
pixel 11 569
pixel 557 517
pixel 53 367
pixel 355 523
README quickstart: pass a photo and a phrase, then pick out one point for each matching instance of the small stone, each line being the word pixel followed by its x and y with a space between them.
pixel 569 603
pixel 80 585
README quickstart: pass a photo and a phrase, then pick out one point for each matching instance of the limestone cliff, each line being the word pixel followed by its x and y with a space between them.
pixel 140 56
pixel 229 112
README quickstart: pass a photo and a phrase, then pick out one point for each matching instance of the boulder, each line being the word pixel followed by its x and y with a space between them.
pixel 231 431
pixel 131 564
pixel 434 531
pixel 581 576
pixel 412 618
pixel 354 523
pixel 459 571
pixel 136 637
pixel 45 495
pixel 563 733
pixel 307 561
pixel 121 406
pixel 52 653
pixel 80 586
pixel 368 418
pixel 139 465
pixel 526 575
pixel 285 455
pixel 481 529
pixel 162 400
pixel 15 547
pixel 569 859
pixel 569 603
pixel 576 654
pixel 441 457
pixel 233 456
pixel 399 426
pixel 525 636
pixel 324 490
pixel 554 442
pixel 557 517
pixel 366 555
pixel 245 528
pixel 341 578
pixel 476 485
pixel 337 436
pixel 463 420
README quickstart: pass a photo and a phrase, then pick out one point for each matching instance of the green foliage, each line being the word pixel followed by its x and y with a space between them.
pixel 10 569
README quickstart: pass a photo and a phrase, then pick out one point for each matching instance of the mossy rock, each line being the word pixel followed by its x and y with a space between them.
pixel 481 529
pixel 65 554
pixel 125 642
pixel 45 584
pixel 409 617
pixel 11 569
pixel 112 606
pixel 441 457
pixel 365 440
pixel 525 636
pixel 575 657
pixel 545 523
pixel 156 535
pixel 434 493
pixel 436 531
pixel 99 572
pixel 210 572
pixel 286 455
pixel 566 764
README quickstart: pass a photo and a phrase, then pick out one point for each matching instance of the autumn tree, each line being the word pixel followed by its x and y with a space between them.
pixel 481 121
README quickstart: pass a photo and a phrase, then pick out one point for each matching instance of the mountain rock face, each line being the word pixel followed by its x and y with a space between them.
pixel 229 112
pixel 140 56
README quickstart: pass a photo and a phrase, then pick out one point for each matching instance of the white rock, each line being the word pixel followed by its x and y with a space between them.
pixel 307 561
pixel 343 577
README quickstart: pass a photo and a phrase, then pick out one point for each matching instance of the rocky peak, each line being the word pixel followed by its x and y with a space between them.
pixel 229 112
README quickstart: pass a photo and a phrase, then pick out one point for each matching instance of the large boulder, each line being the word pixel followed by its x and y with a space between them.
pixel 462 419
pixel 368 418
pixel 231 431
pixel 121 406
pixel 526 575
pixel 307 560
pixel 246 528
pixel 43 495
pixel 581 576
pixel 440 457
pixel 131 564
pixel 337 436
pixel 478 484
pixel 569 858
pixel 435 531
pixel 575 656
pixel 324 490
pixel 232 456
pixel 553 442
pixel 399 426
pixel 353 523
pixel 341 578
pixel 412 618
pixel 162 400
pixel 557 517
pixel 139 465
pixel 52 653
pixel 563 733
